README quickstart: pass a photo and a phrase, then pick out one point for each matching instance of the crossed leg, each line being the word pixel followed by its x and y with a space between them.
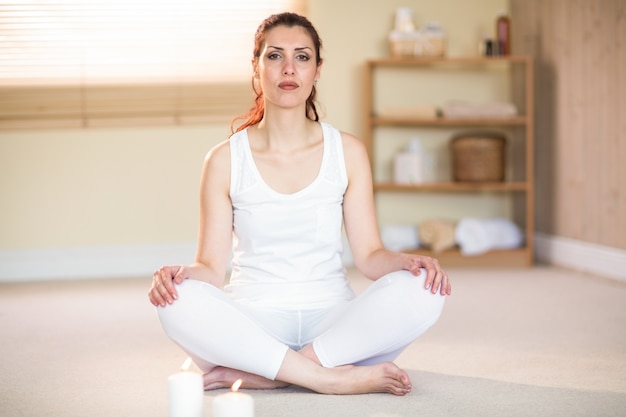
pixel 200 322
pixel 222 377
pixel 299 369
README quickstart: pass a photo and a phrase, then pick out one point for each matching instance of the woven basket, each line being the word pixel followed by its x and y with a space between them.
pixel 478 158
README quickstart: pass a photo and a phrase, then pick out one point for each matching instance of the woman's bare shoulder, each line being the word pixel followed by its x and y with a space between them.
pixel 350 139
pixel 219 154
pixel 216 166
pixel 353 147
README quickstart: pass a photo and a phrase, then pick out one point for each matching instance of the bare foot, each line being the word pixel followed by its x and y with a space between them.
pixel 221 377
pixel 349 379
pixel 384 377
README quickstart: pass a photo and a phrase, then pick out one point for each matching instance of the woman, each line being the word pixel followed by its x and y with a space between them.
pixel 278 191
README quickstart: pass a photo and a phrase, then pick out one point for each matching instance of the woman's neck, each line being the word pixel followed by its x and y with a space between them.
pixel 286 129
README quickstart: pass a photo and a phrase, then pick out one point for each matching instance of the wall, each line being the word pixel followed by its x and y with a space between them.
pixel 580 52
pixel 134 190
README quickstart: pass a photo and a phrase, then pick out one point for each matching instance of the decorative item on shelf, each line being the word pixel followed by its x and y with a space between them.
pixel 490 47
pixel 437 234
pixel 408 164
pixel 430 165
pixel 478 156
pixel 482 45
pixel 404 20
pixel 407 41
pixel 433 40
pixel 503 34
pixel 500 44
pixel 403 38
pixel 403 44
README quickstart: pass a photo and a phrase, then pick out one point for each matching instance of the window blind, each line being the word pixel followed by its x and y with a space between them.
pixel 87 63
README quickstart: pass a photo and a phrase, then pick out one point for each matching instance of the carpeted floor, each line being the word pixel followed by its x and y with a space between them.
pixel 529 342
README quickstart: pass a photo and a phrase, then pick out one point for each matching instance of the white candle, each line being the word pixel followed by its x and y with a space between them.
pixel 186 393
pixel 233 404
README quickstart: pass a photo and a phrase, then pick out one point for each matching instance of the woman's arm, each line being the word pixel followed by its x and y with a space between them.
pixel 214 233
pixel 370 257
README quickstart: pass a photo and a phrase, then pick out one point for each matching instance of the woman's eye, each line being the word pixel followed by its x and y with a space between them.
pixel 274 56
pixel 303 57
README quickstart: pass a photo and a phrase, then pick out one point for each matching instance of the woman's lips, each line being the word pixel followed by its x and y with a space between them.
pixel 288 85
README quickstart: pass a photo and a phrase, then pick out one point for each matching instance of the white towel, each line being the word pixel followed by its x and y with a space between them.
pixel 477 236
pixel 462 109
pixel 399 238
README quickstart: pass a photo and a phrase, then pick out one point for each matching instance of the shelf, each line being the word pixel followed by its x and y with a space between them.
pixel 453 186
pixel 517 73
pixel 447 121
pixel 514 258
pixel 478 60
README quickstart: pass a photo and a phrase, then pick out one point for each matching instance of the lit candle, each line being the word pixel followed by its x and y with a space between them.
pixel 233 404
pixel 186 393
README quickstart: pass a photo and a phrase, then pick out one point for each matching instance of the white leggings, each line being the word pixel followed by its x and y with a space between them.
pixel 374 327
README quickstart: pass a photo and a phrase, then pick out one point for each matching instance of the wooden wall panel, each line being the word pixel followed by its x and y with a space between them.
pixel 597 72
pixel 620 109
pixel 571 150
pixel 580 52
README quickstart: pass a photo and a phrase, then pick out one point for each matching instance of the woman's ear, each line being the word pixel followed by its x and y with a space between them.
pixel 255 68
pixel 318 72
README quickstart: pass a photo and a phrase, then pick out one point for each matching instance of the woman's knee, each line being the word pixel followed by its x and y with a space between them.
pixel 418 302
pixel 175 317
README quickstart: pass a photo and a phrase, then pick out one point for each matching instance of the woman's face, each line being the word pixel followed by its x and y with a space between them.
pixel 287 68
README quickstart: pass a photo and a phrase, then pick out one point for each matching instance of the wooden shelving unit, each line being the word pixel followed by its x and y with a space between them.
pixel 442 121
pixel 520 69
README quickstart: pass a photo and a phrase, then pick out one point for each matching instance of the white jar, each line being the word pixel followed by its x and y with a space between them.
pixel 408 164
pixel 404 20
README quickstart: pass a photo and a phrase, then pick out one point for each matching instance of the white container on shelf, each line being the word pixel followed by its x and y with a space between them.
pixel 408 164
pixel 404 20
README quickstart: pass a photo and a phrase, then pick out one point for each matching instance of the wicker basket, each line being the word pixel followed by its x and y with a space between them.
pixel 478 158
pixel 412 44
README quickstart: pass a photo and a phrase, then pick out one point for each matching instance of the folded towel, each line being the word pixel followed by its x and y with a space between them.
pixel 460 109
pixel 419 111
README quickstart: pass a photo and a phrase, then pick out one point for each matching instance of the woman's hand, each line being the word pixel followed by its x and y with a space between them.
pixel 163 290
pixel 436 277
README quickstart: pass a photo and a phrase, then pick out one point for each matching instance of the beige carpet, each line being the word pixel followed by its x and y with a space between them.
pixel 535 342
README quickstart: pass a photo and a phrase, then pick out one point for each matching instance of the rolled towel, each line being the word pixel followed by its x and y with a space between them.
pixel 478 236
pixel 399 237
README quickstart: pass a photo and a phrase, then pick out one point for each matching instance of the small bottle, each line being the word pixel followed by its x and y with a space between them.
pixel 503 34
pixel 489 47
pixel 408 165
pixel 482 45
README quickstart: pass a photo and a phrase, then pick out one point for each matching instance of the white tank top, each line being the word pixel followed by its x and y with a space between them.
pixel 287 247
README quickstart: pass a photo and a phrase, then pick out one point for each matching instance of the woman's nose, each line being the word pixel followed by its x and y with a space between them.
pixel 288 68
